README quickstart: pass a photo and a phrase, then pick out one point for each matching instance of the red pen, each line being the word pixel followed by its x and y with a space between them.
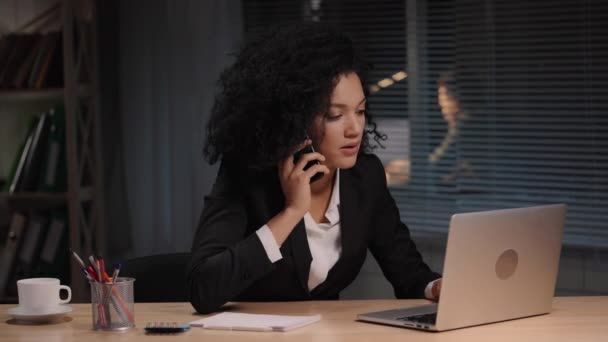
pixel 102 268
pixel 98 268
pixel 95 264
pixel 86 274
pixel 92 273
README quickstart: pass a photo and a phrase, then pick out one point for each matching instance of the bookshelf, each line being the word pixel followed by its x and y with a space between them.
pixel 35 200
pixel 78 94
pixel 39 95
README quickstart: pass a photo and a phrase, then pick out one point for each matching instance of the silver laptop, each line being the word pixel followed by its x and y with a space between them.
pixel 499 265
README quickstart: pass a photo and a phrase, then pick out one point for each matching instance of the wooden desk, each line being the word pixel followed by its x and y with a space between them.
pixel 572 319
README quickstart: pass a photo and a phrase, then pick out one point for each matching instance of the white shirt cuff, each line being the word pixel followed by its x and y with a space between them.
pixel 428 291
pixel 270 244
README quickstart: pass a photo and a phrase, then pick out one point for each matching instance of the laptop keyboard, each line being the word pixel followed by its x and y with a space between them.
pixel 426 318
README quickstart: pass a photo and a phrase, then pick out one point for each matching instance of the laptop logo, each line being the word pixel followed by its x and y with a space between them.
pixel 506 264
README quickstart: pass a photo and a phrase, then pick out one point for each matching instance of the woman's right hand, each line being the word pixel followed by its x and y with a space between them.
pixel 295 181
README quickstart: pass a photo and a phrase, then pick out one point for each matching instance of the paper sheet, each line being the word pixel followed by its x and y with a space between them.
pixel 254 322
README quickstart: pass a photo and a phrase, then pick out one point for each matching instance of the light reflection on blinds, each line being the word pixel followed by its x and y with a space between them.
pixel 378 28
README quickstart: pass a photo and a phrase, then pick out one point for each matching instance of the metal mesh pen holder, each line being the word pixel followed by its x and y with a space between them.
pixel 112 305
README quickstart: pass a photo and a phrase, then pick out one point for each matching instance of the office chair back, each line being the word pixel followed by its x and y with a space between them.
pixel 158 278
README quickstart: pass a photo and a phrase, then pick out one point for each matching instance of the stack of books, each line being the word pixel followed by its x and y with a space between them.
pixel 31 60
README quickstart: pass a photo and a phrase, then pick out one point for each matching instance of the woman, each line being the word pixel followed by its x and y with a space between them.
pixel 266 232
pixel 444 156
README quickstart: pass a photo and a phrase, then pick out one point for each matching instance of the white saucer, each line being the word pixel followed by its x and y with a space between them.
pixel 22 314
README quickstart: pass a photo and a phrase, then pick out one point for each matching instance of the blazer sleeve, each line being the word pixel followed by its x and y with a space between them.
pixel 226 259
pixel 393 247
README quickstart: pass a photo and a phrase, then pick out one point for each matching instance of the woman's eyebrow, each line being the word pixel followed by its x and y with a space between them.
pixel 341 105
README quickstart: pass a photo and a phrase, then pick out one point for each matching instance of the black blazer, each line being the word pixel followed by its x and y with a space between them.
pixel 229 263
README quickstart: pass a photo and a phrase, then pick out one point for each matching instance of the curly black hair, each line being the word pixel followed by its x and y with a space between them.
pixel 269 98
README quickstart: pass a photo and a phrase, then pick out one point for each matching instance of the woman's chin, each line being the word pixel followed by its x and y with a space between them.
pixel 347 163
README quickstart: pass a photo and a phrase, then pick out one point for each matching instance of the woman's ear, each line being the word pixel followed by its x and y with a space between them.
pixel 316 130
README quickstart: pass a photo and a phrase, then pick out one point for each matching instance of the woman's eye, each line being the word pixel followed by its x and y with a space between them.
pixel 333 116
pixel 361 112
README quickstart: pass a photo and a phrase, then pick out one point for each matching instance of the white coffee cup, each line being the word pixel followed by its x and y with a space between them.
pixel 41 295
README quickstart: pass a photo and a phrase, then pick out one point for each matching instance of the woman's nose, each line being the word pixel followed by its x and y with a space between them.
pixel 353 125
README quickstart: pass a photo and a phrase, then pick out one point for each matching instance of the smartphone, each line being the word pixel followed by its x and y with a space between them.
pixel 298 155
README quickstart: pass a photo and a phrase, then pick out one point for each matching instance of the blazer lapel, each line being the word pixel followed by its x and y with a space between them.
pixel 349 210
pixel 301 254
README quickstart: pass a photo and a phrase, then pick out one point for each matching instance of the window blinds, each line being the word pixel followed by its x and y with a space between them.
pixel 529 81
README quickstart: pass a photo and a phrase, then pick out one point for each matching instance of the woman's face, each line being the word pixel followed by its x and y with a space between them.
pixel 448 103
pixel 341 129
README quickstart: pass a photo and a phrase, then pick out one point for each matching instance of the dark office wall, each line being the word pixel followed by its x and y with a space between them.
pixel 159 61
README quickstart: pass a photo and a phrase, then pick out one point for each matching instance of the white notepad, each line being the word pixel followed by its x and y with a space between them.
pixel 254 322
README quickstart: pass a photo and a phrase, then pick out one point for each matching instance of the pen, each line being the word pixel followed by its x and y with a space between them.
pixel 96 267
pixel 116 271
pixel 106 278
pixel 102 266
pixel 86 274
pixel 91 272
pixel 78 259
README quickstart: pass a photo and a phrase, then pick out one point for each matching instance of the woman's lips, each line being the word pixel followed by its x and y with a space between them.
pixel 350 150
